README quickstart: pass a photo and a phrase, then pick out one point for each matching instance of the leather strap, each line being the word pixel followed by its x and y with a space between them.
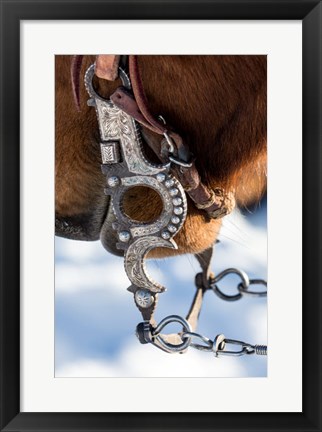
pixel 106 66
pixel 127 103
pixel 140 97
pixel 202 284
pixel 74 72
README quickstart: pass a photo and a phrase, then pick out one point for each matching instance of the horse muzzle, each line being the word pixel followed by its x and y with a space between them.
pixel 86 226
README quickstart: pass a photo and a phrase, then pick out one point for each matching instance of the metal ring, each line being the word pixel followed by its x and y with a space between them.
pixel 244 290
pixel 169 141
pixel 162 119
pixel 226 297
pixel 245 348
pixel 89 74
pixel 207 341
pixel 180 162
pixel 125 78
pixel 166 345
pixel 220 276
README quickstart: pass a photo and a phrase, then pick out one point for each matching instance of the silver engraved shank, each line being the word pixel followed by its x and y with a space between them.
pixel 125 166
pixel 134 261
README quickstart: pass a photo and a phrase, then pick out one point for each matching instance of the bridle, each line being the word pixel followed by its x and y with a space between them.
pixel 122 119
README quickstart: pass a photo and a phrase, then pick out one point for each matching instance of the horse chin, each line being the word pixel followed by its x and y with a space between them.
pixel 84 226
pixel 79 227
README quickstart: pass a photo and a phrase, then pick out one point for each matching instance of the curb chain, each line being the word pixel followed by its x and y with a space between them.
pixel 218 346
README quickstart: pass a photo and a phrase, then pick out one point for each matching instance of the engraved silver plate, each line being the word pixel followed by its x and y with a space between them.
pixel 110 152
pixel 125 166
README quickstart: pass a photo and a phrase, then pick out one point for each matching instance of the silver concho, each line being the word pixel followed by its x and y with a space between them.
pixel 144 298
pixel 125 166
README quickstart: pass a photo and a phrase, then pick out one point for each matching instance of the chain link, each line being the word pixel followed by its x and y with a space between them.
pixel 207 343
pixel 242 286
pixel 218 346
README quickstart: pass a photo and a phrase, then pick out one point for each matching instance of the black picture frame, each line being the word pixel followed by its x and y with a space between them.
pixel 12 12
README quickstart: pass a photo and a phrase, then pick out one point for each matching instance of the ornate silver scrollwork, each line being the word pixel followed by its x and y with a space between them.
pixel 125 166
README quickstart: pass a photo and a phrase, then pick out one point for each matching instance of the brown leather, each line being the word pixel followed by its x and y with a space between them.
pixel 139 94
pixel 75 70
pixel 143 106
pixel 125 101
pixel 106 66
pixel 202 283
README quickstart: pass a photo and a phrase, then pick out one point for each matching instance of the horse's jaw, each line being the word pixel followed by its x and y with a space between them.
pixel 83 226
pixel 90 227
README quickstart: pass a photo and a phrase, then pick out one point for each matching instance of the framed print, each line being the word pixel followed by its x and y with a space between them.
pixel 180 113
pixel 122 356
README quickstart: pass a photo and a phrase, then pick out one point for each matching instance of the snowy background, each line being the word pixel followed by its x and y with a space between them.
pixel 95 316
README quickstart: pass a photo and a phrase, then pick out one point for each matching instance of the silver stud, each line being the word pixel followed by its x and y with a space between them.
pixel 169 183
pixel 173 192
pixel 178 210
pixel 160 177
pixel 172 228
pixel 175 219
pixel 113 181
pixel 143 298
pixel 115 225
pixel 124 236
pixel 165 235
pixel 177 201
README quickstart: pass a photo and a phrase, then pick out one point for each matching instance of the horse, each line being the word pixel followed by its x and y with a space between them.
pixel 217 103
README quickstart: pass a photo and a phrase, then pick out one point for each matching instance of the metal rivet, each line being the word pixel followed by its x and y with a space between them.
pixel 177 201
pixel 172 228
pixel 175 219
pixel 174 192
pixel 160 177
pixel 124 236
pixel 165 235
pixel 169 183
pixel 144 298
pixel 113 181
pixel 178 210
